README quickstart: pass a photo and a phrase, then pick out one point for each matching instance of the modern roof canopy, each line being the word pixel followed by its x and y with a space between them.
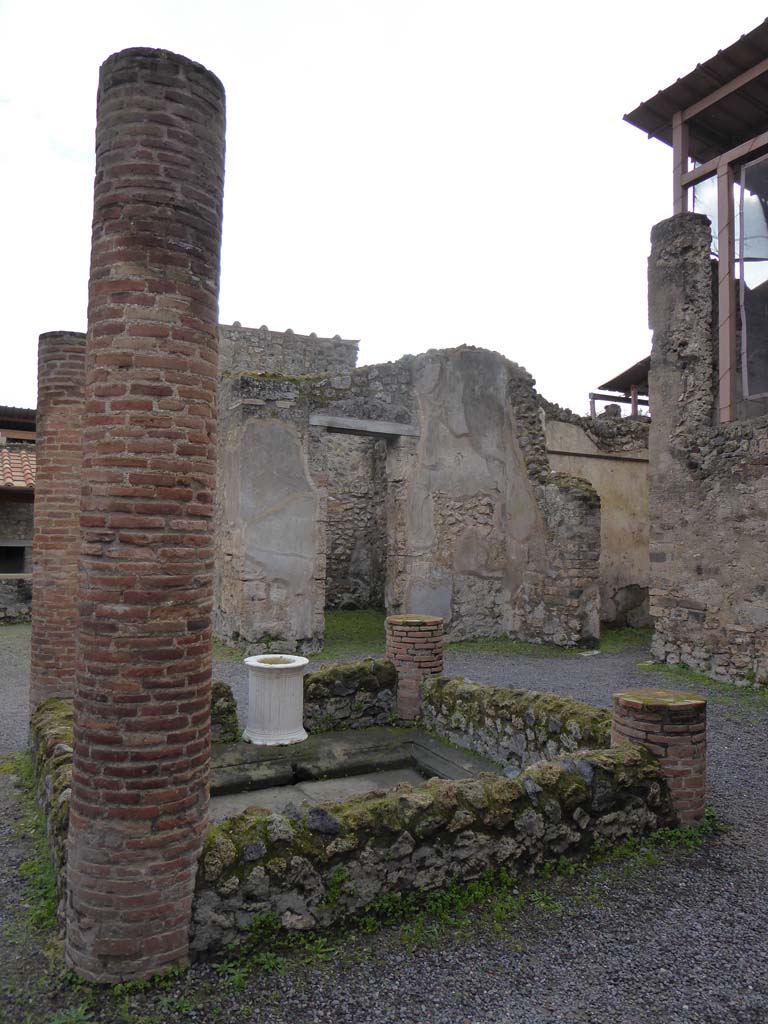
pixel 635 377
pixel 717 117
pixel 724 101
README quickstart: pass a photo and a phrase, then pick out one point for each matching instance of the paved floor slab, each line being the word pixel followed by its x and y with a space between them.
pixel 275 798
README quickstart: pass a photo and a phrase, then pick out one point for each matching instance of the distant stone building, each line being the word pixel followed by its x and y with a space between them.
pixel 17 482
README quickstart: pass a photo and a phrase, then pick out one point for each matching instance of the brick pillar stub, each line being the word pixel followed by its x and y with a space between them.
pixel 139 801
pixel 56 540
pixel 415 645
pixel 673 726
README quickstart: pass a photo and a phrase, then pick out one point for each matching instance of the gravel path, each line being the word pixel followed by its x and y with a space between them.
pixel 684 942
pixel 14 679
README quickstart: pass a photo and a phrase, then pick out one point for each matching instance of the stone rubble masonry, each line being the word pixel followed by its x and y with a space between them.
pixel 673 727
pixel 357 528
pixel 56 543
pixel 142 715
pixel 352 695
pixel 517 728
pixel 249 349
pixel 415 646
pixel 316 867
pixel 15 599
pixel 272 530
pixel 225 727
pixel 479 530
pixel 709 481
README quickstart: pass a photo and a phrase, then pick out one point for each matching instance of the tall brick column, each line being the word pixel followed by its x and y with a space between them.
pixel 142 707
pixel 415 645
pixel 56 542
pixel 673 726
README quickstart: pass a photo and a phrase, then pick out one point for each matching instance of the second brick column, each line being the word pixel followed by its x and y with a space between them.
pixel 415 645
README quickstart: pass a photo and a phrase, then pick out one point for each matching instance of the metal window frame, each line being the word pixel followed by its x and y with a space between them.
pixel 724 166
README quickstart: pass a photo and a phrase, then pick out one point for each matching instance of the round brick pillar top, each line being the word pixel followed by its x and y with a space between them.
pixel 145 54
pixel 670 700
pixel 414 620
pixel 61 334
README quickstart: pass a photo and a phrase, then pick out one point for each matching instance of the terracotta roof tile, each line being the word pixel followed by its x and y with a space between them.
pixel 17 466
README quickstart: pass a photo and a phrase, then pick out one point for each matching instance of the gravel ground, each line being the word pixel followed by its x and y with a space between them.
pixel 684 942
pixel 14 677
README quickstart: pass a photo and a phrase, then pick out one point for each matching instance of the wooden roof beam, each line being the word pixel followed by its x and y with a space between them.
pixel 725 90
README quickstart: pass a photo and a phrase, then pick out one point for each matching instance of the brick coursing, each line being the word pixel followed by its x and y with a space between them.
pixel 56 543
pixel 142 706
pixel 415 646
pixel 673 726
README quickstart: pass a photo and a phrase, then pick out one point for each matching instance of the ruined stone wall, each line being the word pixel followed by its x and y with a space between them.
pixel 709 482
pixel 514 727
pixel 257 349
pixel 16 521
pixel 15 598
pixel 272 497
pixel 357 529
pixel 271 514
pixel 612 454
pixel 351 695
pixel 480 531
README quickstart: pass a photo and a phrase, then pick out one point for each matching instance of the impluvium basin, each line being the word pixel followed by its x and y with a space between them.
pixel 275 699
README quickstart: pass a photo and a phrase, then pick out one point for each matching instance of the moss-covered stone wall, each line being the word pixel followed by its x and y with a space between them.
pixel 350 696
pixel 51 747
pixel 321 865
pixel 515 727
pixel 225 727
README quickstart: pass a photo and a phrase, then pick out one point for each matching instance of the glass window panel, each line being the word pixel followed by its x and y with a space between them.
pixel 752 260
pixel 705 201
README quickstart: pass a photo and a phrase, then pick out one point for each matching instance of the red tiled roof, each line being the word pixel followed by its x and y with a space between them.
pixel 17 467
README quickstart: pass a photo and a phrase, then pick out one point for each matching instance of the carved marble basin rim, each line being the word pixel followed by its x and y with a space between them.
pixel 276 661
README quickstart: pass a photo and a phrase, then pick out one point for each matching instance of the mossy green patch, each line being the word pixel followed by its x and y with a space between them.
pixel 353 632
pixel 225 727
pixel 619 638
pixel 52 721
pixel 749 700
pixel 458 701
pixel 228 652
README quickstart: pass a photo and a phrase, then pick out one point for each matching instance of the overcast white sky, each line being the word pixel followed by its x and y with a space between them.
pixel 412 173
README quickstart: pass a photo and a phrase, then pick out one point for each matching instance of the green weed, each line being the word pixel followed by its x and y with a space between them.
pixel 232 973
pixel 268 961
pixel 37 872
pixel 72 1015
pixel 333 889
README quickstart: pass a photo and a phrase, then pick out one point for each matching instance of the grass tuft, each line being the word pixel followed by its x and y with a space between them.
pixel 37 870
